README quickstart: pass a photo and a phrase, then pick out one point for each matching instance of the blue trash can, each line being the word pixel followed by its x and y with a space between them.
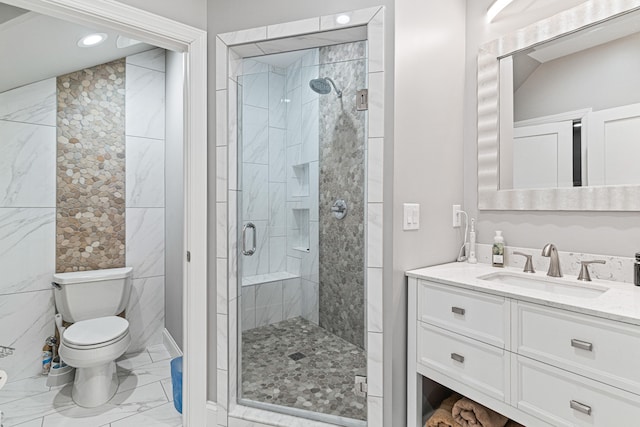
pixel 176 382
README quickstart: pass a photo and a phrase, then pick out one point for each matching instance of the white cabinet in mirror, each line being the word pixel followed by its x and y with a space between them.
pixel 559 111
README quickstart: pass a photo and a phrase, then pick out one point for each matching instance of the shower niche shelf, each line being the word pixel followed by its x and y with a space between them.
pixel 300 180
pixel 300 230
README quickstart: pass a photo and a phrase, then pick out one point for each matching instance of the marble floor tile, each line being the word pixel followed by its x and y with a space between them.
pixel 24 388
pixel 33 423
pixel 133 360
pixel 143 375
pixel 144 398
pixel 122 405
pixel 168 388
pixel 158 352
pixel 30 408
pixel 161 416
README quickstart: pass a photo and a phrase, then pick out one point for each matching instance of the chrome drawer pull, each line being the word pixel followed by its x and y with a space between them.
pixel 580 407
pixel 458 310
pixel 457 357
pixel 582 345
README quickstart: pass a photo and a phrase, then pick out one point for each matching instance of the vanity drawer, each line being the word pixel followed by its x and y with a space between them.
pixel 473 314
pixel 480 366
pixel 601 349
pixel 562 398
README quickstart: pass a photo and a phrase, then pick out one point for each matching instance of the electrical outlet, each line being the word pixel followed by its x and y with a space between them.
pixel 456 216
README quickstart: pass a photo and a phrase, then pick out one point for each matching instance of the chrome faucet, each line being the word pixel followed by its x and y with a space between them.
pixel 550 251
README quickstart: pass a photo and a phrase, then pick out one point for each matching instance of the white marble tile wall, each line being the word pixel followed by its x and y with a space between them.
pixel 145 195
pixel 271 302
pixel 34 103
pixel 145 312
pixel 27 165
pixel 144 97
pixel 302 172
pixel 144 172
pixel 27 223
pixel 27 249
pixel 263 165
pixel 618 269
pixel 277 171
pixel 30 316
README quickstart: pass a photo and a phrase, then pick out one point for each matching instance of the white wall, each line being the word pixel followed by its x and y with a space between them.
pixel 429 66
pixel 612 233
pixel 174 195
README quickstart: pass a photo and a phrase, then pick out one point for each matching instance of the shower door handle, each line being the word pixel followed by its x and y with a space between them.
pixel 244 239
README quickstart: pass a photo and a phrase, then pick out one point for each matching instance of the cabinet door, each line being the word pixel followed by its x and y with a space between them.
pixel 564 399
pixel 474 314
pixel 601 349
pixel 480 366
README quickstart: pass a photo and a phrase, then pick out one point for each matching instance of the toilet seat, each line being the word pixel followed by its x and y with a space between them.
pixel 95 333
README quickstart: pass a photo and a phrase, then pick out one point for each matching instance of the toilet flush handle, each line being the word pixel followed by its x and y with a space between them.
pixel 56 285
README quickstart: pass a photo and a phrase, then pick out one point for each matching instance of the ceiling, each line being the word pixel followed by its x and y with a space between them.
pixel 7 12
pixel 35 47
pixel 549 7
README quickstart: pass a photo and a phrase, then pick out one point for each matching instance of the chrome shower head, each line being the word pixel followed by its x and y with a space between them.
pixel 323 86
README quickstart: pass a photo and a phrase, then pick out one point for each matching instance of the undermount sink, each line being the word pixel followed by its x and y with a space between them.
pixel 546 284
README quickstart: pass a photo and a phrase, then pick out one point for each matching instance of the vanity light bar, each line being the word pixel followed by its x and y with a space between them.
pixel 497 7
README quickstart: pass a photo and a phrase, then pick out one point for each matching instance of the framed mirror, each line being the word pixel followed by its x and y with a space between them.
pixel 559 112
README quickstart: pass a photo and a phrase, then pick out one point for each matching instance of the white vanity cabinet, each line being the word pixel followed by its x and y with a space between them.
pixel 540 365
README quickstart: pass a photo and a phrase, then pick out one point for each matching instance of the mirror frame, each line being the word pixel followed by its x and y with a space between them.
pixel 490 197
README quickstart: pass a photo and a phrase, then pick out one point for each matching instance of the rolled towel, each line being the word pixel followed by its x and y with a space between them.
pixel 442 416
pixel 512 423
pixel 471 414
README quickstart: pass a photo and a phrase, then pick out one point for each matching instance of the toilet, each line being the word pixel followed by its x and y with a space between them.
pixel 90 300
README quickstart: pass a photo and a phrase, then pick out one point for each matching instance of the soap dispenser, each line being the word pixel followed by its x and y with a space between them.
pixel 497 252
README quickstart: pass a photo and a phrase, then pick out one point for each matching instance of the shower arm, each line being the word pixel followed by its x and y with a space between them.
pixel 338 92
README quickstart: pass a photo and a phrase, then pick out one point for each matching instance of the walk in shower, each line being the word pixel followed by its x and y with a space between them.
pixel 301 215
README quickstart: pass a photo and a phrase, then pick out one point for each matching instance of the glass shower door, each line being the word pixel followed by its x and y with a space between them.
pixel 301 214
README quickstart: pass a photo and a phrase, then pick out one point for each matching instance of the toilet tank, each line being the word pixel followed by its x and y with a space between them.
pixel 82 295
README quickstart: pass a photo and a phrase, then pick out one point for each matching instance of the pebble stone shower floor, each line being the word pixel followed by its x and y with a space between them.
pixel 297 364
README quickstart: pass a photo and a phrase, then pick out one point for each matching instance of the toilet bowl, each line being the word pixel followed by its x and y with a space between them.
pixel 97 337
pixel 92 346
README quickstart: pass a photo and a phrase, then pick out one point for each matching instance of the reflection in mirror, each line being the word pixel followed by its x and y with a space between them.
pixel 576 109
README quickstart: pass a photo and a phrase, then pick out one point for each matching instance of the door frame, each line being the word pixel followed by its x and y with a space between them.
pixel 230 48
pixel 169 34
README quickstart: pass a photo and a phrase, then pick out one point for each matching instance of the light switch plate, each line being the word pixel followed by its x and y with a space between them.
pixel 411 217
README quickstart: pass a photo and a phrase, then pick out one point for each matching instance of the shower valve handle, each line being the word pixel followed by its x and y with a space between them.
pixel 339 209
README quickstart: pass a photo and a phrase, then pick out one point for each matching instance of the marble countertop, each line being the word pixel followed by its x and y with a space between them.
pixel 620 302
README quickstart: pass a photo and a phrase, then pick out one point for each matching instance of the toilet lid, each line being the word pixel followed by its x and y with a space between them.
pixel 96 331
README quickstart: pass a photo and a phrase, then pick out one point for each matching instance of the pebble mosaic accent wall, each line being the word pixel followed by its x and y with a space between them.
pixel 90 196
pixel 342 174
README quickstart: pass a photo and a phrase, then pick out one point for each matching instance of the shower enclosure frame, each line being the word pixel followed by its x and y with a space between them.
pixel 231 48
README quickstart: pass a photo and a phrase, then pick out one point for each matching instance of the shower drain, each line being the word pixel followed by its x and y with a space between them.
pixel 297 356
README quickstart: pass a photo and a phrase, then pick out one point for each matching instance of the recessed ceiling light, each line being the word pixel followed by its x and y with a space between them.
pixel 497 7
pixel 92 40
pixel 343 19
